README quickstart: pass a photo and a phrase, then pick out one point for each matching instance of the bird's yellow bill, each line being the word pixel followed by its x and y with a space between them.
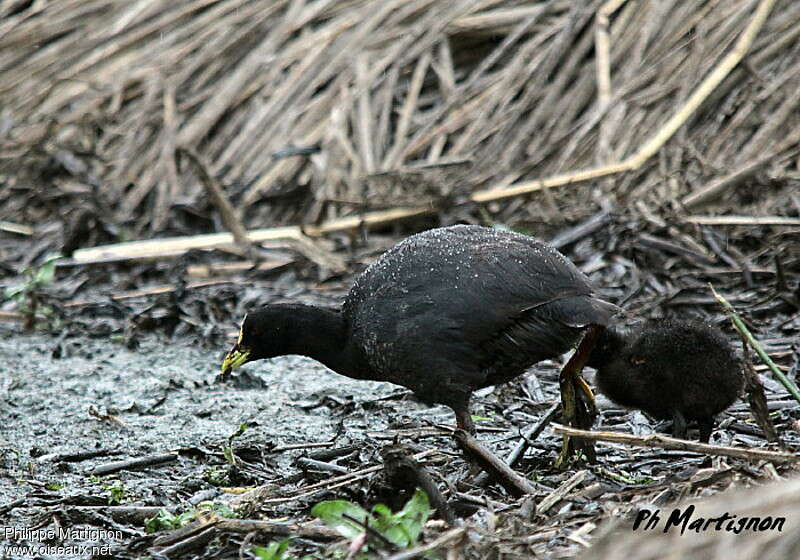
pixel 236 357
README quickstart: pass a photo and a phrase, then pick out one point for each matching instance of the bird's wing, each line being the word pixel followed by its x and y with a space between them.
pixel 461 288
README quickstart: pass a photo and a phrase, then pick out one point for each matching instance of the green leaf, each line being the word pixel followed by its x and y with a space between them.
pixel 330 513
pixel 412 519
pixel 46 272
pixel 273 551
pixel 382 511
pixel 402 528
pixel 12 292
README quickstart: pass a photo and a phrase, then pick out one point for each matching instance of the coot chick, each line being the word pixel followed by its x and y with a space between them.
pixel 443 313
pixel 671 369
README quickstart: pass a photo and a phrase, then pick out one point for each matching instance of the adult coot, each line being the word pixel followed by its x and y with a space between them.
pixel 671 369
pixel 443 313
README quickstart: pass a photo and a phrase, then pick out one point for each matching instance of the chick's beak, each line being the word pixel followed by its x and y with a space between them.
pixel 235 358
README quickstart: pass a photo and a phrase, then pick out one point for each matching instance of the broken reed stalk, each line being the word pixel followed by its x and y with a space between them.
pixel 664 442
pixel 756 397
pixel 218 198
pixel 742 328
pixel 729 220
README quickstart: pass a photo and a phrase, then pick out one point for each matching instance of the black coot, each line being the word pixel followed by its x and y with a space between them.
pixel 443 313
pixel 677 370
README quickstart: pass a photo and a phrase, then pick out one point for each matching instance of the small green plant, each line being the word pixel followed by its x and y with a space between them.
pixel 220 510
pixel 54 486
pixel 402 528
pixel 117 338
pixel 277 550
pixel 116 492
pixel 227 450
pixel 217 475
pixel 166 521
pixel 27 293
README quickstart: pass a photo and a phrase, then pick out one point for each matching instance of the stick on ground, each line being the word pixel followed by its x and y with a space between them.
pixel 664 442
pixel 505 475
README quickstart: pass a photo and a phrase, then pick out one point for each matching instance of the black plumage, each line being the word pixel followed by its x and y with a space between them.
pixel 443 313
pixel 679 370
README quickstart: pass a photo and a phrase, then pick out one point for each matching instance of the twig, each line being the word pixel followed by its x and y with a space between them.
pixel 755 396
pixel 742 328
pixel 218 198
pixel 743 220
pixel 190 543
pixel 530 434
pixel 13 317
pixel 276 528
pixel 602 49
pixel 75 456
pixel 664 442
pixel 370 531
pixel 152 291
pixel 510 480
pixel 451 536
pixel 221 268
pixel 176 246
pixel 307 463
pixel 105 417
pixel 592 224
pixel 133 464
pixel 5 508
pixel 333 482
pixel 404 474
pixel 186 531
pixel 12 227
pixel 126 514
pixel 559 493
pixel 309 445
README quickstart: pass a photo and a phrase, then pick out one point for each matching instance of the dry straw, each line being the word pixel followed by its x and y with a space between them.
pixel 413 104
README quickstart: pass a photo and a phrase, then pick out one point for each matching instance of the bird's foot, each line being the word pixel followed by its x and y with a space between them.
pixel 577 401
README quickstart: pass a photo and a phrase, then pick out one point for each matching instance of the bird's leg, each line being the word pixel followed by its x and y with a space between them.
pixel 460 405
pixel 706 425
pixel 577 400
pixel 679 425
pixel 464 421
